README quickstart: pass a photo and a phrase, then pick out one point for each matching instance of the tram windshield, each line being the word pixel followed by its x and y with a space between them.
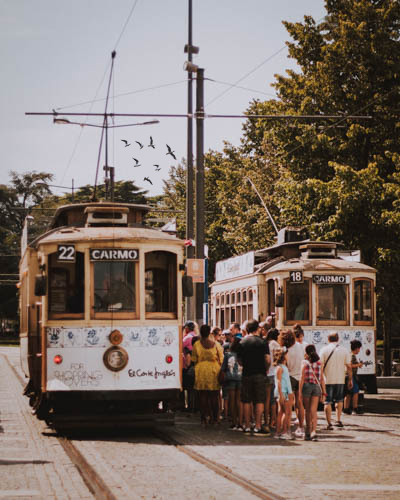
pixel 298 302
pixel 363 301
pixel 332 303
pixel 114 287
pixel 160 282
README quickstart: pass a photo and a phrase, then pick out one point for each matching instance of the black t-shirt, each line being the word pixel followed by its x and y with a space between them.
pixel 251 353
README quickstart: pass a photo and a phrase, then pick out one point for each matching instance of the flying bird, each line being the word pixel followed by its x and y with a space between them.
pixel 157 167
pixel 140 144
pixel 148 180
pixel 126 142
pixel 151 145
pixel 137 162
pixel 170 152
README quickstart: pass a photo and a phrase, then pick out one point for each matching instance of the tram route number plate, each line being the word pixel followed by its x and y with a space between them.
pixel 66 253
pixel 296 277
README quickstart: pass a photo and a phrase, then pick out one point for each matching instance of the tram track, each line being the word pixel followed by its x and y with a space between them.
pixel 219 469
pixel 100 490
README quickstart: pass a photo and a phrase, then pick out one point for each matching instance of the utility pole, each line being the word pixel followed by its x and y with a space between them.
pixel 190 49
pixel 200 287
pixel 190 301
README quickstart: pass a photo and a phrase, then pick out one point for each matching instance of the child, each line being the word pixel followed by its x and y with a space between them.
pixel 312 389
pixel 353 393
pixel 284 394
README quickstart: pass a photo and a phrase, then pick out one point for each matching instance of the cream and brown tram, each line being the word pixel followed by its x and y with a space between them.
pixel 313 283
pixel 101 316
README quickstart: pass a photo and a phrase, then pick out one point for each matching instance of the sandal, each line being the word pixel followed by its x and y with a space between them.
pixel 329 427
pixel 339 424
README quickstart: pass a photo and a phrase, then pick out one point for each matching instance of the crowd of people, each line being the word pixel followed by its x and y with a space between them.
pixel 258 377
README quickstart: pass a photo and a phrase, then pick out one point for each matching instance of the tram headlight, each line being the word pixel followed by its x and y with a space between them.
pixel 169 358
pixel 58 359
pixel 116 337
pixel 115 358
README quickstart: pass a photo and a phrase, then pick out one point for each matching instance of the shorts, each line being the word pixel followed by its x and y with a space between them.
pixel 232 385
pixel 270 381
pixel 253 389
pixel 311 390
pixel 295 384
pixel 355 389
pixel 334 393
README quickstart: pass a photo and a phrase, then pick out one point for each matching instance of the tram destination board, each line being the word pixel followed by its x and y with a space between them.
pixel 109 254
pixel 331 279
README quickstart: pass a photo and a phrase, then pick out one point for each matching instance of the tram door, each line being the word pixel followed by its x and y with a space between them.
pixel 35 344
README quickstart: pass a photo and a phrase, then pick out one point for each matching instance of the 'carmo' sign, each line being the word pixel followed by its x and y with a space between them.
pixel 331 279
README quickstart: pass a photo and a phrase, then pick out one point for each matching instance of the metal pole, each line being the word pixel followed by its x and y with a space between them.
pixel 190 301
pixel 200 188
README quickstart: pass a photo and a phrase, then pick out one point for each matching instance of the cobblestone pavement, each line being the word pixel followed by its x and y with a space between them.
pixel 358 461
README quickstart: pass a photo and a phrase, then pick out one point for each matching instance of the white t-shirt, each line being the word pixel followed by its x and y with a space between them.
pixel 295 358
pixel 336 369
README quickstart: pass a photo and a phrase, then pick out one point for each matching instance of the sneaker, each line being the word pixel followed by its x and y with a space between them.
pixel 329 427
pixel 307 437
pixel 237 428
pixel 313 436
pixel 232 427
pixel 266 429
pixel 247 430
pixel 260 432
pixel 339 424
pixel 288 436
pixel 358 411
pixel 299 432
pixel 347 411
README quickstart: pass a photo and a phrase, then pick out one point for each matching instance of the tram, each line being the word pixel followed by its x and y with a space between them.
pixel 101 315
pixel 313 283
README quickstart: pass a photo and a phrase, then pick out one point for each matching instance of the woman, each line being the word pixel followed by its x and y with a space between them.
pixel 312 388
pixel 283 394
pixel 233 381
pixel 207 355
pixel 270 404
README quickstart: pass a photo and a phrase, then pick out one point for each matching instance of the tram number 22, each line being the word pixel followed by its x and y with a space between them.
pixel 296 277
pixel 66 253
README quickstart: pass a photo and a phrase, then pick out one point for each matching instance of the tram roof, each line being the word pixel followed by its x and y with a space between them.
pixel 62 212
pixel 315 265
pixel 88 234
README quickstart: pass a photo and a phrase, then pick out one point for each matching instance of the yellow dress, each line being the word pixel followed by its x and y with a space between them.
pixel 207 365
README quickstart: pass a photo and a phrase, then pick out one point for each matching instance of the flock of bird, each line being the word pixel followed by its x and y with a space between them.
pixel 151 145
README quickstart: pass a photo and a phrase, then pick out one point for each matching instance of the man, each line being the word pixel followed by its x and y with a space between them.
pixel 253 355
pixel 335 361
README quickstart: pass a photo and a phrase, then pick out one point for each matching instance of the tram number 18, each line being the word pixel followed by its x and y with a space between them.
pixel 296 277
pixel 66 253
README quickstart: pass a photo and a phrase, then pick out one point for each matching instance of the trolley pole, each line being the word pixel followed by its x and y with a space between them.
pixel 200 287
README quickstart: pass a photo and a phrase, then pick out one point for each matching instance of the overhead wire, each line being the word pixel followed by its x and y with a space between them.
pixel 98 89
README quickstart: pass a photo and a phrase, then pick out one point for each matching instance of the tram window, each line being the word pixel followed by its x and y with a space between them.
pixel 297 302
pixel 66 288
pixel 332 304
pixel 114 287
pixel 271 295
pixel 363 302
pixel 160 284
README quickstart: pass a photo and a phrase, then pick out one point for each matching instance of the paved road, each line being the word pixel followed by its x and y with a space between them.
pixel 359 461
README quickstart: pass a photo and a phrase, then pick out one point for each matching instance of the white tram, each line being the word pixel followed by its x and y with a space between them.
pixel 101 316
pixel 313 283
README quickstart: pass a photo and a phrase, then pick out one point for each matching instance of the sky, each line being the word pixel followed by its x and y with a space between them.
pixel 57 55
